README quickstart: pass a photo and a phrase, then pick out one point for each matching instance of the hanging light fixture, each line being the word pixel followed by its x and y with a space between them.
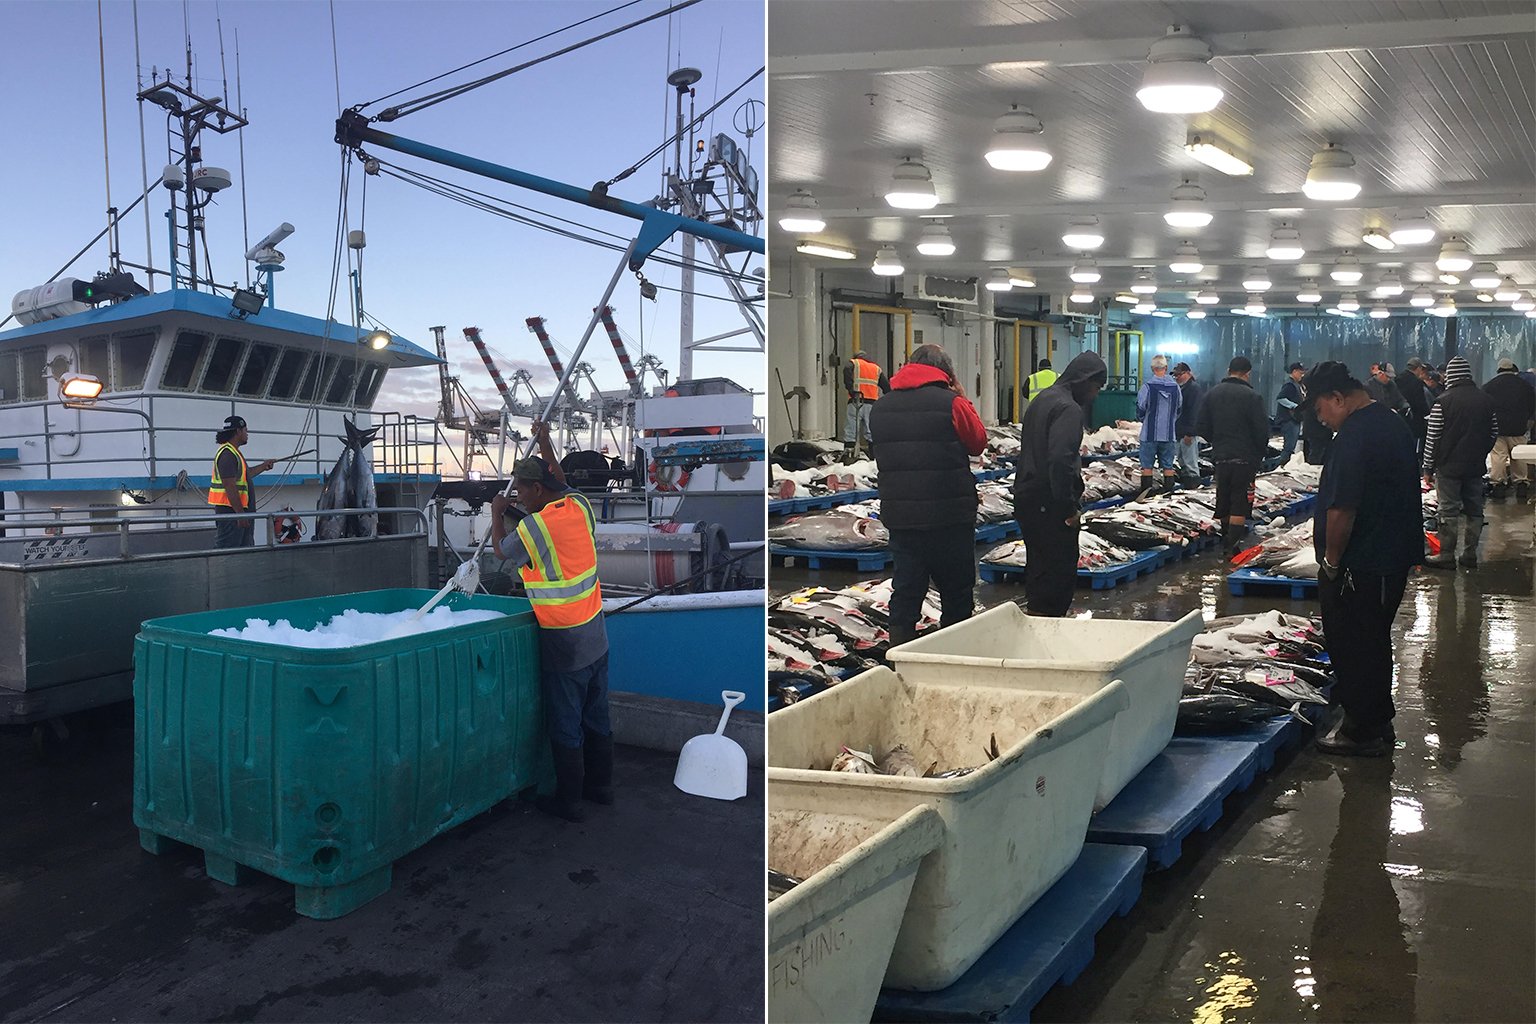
pixel 1143 283
pixel 1530 314
pixel 1388 285
pixel 1195 313
pixel 1285 244
pixel 1016 144
pixel 911 187
pixel 1523 303
pixel 1332 177
pixel 1239 310
pixel 1308 293
pixel 1485 296
pixel 1377 239
pixel 802 214
pixel 1256 280
pixel 1179 78
pixel 1484 275
pixel 1346 270
pixel 1412 231
pixel 1080 294
pixel 1162 314
pixel 1021 278
pixel 1128 298
pixel 1186 260
pixel 1255 305
pixel 1143 308
pixel 1186 207
pixel 1507 291
pixel 1445 307
pixel 1207 297
pixel 887 263
pixel 1454 256
pixel 822 249
pixel 1421 297
pixel 1214 154
pixel 1380 313
pixel 1449 279
pixel 1348 303
pixel 1085 271
pixel 1000 281
pixel 936 241
pixel 1083 233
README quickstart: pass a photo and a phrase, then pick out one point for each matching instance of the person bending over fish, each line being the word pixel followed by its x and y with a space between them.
pixel 556 556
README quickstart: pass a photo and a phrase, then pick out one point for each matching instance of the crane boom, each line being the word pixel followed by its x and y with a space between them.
pixel 536 325
pixel 473 335
pixel 606 315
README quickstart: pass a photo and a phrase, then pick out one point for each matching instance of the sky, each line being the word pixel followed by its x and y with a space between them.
pixel 579 118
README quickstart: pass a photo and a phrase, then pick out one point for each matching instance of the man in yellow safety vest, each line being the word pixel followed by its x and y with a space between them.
pixel 229 489
pixel 865 382
pixel 1042 378
pixel 556 557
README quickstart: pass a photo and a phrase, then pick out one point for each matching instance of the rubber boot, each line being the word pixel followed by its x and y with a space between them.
pixel 1473 534
pixel 848 453
pixel 1522 490
pixel 597 784
pixel 1231 540
pixel 1168 482
pixel 566 800
pixel 1446 559
pixel 1147 486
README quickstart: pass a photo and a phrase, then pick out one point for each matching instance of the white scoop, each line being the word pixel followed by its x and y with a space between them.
pixel 714 765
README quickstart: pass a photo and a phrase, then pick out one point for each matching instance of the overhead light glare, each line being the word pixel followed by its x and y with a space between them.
pixel 1143 284
pixel 1128 299
pixel 1083 233
pixel 1285 244
pixel 1484 275
pixel 1450 279
pixel 1348 303
pixel 1195 313
pixel 1021 278
pixel 1255 305
pixel 1507 291
pixel 1380 313
pixel 831 252
pixel 1081 294
pixel 1346 270
pixel 1179 78
pixel 1162 314
pixel 1207 298
pixel 887 263
pixel 1445 307
pixel 802 214
pixel 1309 293
pixel 936 241
pixel 1257 280
pixel 1084 272
pixel 1000 281
pixel 912 187
pixel 1454 256
pixel 1214 154
pixel 1388 286
pixel 1332 177
pixel 1421 298
pixel 1377 239
pixel 1186 260
pixel 1016 144
pixel 1413 231
pixel 1186 207
pixel 1523 303
pixel 1485 296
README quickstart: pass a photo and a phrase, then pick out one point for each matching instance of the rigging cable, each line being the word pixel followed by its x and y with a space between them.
pixel 106 154
pixel 138 73
pixel 694 123
pixel 245 217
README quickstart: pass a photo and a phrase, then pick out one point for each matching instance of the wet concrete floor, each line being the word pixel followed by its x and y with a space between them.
pixel 651 910
pixel 1339 889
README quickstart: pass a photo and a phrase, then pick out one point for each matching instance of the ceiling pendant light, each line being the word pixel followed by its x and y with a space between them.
pixel 1449 279
pixel 1523 303
pixel 1128 298
pixel 1256 280
pixel 936 241
pixel 1207 298
pixel 1000 281
pixel 1179 78
pixel 1346 270
pixel 1377 239
pixel 833 252
pixel 1308 293
pixel 1485 296
pixel 1380 313
pixel 1143 308
pixel 1162 314
pixel 1143 283
pixel 1332 177
pixel 1530 314
pixel 1186 260
pixel 1445 307
pixel 1239 310
pixel 1454 256
pixel 1186 207
pixel 1021 278
pixel 1388 285
pixel 911 187
pixel 1348 303
pixel 1422 298
pixel 1413 231
pixel 1195 313
pixel 1083 233
pixel 1081 294
pixel 1016 144
pixel 887 263
pixel 1484 275
pixel 1214 154
pixel 1255 305
pixel 1085 271
pixel 1285 244
pixel 1507 290
pixel 802 214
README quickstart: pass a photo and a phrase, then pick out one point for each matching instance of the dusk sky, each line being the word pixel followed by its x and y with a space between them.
pixel 580 118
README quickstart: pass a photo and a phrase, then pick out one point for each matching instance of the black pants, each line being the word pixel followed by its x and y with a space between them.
pixel 1234 490
pixel 229 533
pixel 1050 561
pixel 1357 619
pixel 947 556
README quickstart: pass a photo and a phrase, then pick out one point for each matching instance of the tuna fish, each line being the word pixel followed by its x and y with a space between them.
pixel 349 484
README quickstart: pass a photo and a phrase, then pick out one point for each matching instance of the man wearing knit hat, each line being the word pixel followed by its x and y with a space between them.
pixel 1514 404
pixel 1461 432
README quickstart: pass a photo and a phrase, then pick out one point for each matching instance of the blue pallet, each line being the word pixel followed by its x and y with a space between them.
pixel 1300 507
pixel 1181 790
pixel 805 689
pixel 1249 582
pixel 983 475
pixel 1051 944
pixel 999 573
pixel 1270 737
pixel 816 558
pixel 1167 554
pixel 1120 572
pixel 1105 503
pixel 1132 454
pixel 1204 542
pixel 993 532
pixel 819 502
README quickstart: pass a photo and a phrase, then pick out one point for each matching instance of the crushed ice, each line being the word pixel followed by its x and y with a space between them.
pixel 352 628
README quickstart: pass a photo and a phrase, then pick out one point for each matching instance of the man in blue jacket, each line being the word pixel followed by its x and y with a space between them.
pixel 1191 392
pixel 1158 404
pixel 1288 410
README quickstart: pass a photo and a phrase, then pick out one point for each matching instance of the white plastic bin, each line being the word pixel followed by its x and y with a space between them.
pixel 1005 647
pixel 1011 828
pixel 830 938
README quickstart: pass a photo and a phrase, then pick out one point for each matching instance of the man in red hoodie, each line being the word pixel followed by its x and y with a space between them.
pixel 925 432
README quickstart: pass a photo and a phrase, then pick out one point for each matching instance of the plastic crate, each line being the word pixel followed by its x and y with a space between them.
pixel 322 767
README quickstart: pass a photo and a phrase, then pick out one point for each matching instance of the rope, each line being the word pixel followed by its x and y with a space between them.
pixel 101 47
pixel 694 123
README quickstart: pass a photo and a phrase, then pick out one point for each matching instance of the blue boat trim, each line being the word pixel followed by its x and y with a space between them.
pixel 133 483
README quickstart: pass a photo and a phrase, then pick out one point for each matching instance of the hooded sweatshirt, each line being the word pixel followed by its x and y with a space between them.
pixel 1462 426
pixel 1514 402
pixel 1049 474
pixel 924 436
pixel 1158 404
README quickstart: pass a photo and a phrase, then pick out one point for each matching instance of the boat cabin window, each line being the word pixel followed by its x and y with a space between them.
pixel 186 359
pixel 34 368
pixel 289 370
pixel 341 389
pixel 368 385
pixel 315 377
pixel 219 377
pixel 10 376
pixel 94 356
pixel 257 368
pixel 130 358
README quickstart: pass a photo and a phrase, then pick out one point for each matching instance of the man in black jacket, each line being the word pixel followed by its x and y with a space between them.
pixel 1462 429
pixel 1382 387
pixel 1514 406
pixel 1232 419
pixel 1189 441
pixel 925 431
pixel 1288 411
pixel 1048 484
pixel 1411 384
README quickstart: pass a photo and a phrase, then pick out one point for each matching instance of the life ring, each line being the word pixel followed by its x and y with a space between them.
pixel 289 529
pixel 669 478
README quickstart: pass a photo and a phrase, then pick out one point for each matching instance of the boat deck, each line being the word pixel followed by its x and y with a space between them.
pixel 651 910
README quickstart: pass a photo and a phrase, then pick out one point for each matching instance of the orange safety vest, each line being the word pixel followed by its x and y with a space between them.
pixel 217 495
pixel 866 378
pixel 561 576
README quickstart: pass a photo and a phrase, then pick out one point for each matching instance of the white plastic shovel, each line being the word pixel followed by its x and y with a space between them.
pixel 714 765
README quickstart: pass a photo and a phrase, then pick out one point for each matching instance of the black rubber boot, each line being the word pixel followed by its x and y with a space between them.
pixel 1522 491
pixel 1168 482
pixel 566 800
pixel 597 785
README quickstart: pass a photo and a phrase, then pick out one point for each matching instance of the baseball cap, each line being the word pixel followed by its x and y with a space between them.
pixel 1295 366
pixel 531 469
pixel 1181 368
pixel 1415 363
pixel 1328 377
pixel 1507 365
pixel 234 423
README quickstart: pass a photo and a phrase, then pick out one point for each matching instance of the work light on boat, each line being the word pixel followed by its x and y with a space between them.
pixel 378 340
pixel 79 387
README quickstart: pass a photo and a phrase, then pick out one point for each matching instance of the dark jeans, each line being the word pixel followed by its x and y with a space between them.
pixel 1050 561
pixel 1234 490
pixel 947 556
pixel 230 534
pixel 576 700
pixel 1459 496
pixel 1290 432
pixel 1357 619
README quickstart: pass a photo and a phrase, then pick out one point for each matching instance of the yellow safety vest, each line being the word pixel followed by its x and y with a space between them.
pixel 561 576
pixel 217 495
pixel 1039 381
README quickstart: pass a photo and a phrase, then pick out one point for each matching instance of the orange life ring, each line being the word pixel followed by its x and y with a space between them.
pixel 289 529
pixel 662 478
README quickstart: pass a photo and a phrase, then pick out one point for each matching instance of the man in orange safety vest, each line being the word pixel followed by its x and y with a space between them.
pixel 229 488
pixel 865 382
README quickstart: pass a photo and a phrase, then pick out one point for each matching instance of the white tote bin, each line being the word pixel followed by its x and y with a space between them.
pixel 1005 647
pixel 1011 828
pixel 830 938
